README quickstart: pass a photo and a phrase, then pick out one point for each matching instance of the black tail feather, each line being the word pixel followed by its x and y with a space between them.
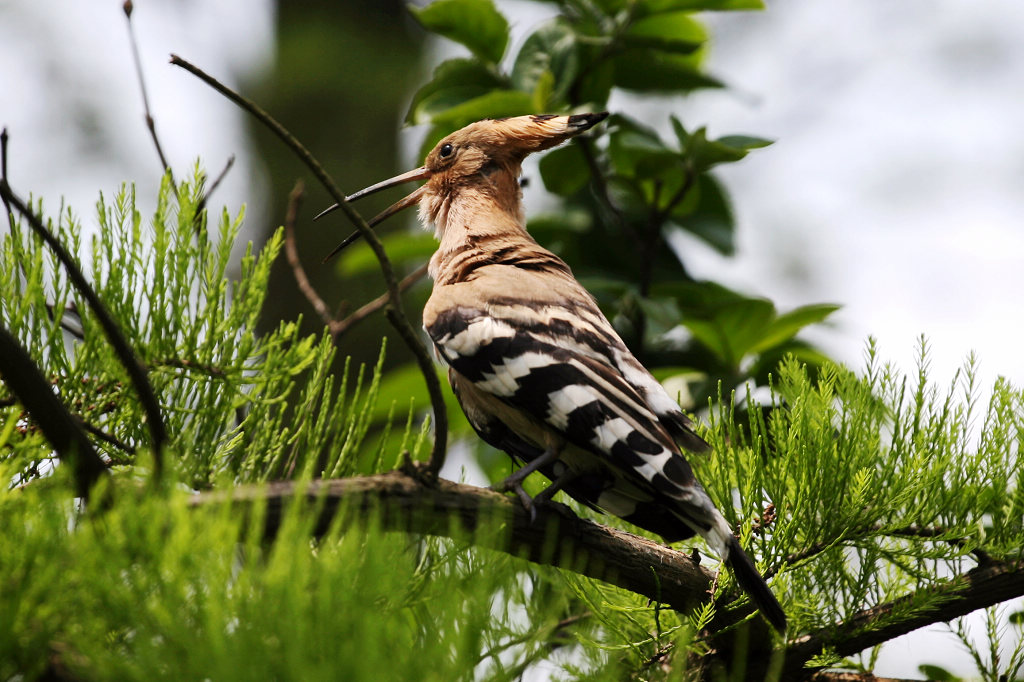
pixel 754 585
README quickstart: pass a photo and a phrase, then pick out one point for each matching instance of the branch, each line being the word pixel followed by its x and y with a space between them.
pixel 61 429
pixel 292 254
pixel 911 531
pixel 150 124
pixel 979 588
pixel 205 198
pixel 826 676
pixel 336 327
pixel 557 537
pixel 560 538
pixel 393 311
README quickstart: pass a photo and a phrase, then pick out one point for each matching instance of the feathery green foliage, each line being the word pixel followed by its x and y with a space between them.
pixel 881 485
pixel 237 404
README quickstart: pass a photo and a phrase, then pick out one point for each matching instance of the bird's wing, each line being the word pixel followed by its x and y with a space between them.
pixel 658 399
pixel 534 368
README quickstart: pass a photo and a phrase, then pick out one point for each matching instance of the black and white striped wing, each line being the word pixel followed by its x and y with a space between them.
pixel 584 400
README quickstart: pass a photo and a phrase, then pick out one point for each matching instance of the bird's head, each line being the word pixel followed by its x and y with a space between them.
pixel 484 156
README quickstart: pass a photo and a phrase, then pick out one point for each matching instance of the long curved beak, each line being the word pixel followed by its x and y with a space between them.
pixel 420 173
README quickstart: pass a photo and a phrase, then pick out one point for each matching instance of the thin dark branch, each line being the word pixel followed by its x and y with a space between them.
pixel 4 139
pixel 73 330
pixel 150 124
pixel 827 676
pixel 292 254
pixel 203 200
pixel 64 432
pixel 600 188
pixel 393 310
pixel 339 327
pixel 220 177
pixel 911 531
pixel 336 327
pixel 108 438
pixel 124 352
pixel 190 366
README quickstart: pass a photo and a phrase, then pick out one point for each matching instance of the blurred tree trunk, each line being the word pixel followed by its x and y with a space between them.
pixel 341 82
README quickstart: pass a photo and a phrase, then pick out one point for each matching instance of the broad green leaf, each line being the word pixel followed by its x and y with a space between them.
pixel 746 142
pixel 454 82
pixel 403 247
pixel 572 220
pixel 710 217
pixel 937 673
pixel 647 70
pixel 494 104
pixel 648 7
pixel 731 330
pixel 477 24
pixel 786 326
pixel 542 93
pixel 638 153
pixel 565 170
pixel 595 85
pixel 705 153
pixel 681 134
pixel 549 53
pixel 662 314
pixel 675 32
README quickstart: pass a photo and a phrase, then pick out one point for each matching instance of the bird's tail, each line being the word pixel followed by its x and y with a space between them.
pixel 754 585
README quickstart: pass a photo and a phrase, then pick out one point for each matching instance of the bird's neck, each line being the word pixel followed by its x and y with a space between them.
pixel 480 218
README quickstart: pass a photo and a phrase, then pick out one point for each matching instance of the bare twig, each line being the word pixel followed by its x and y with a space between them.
pixel 108 438
pixel 190 366
pixel 393 309
pixel 201 204
pixel 292 254
pixel 220 178
pixel 124 352
pixel 336 327
pixel 150 124
pixel 911 531
pixel 828 676
pixel 4 138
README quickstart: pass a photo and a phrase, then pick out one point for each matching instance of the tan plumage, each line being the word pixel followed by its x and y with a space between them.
pixel 537 368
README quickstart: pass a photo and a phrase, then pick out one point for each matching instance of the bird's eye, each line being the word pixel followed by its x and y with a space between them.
pixel 446 150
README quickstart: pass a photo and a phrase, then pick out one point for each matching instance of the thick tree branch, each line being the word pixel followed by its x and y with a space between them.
pixel 557 537
pixel 979 588
pixel 560 538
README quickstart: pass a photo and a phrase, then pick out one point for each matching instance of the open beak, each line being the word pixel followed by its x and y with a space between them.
pixel 420 173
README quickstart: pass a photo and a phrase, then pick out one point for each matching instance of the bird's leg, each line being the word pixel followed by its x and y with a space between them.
pixel 515 481
pixel 545 495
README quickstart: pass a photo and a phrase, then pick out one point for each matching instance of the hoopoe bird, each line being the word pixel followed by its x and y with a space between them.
pixel 537 368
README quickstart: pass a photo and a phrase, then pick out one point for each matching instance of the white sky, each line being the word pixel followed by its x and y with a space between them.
pixel 896 186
